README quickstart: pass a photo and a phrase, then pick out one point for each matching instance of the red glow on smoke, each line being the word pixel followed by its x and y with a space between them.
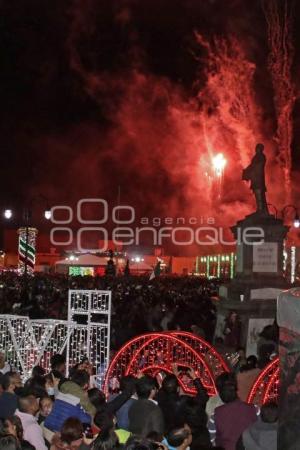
pixel 279 17
pixel 158 132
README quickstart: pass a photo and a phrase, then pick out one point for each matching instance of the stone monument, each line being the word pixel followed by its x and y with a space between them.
pixel 259 264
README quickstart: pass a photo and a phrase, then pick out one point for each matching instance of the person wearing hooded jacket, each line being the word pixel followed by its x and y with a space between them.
pixel 262 434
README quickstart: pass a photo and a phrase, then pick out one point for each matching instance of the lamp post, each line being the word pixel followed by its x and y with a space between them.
pixel 27 235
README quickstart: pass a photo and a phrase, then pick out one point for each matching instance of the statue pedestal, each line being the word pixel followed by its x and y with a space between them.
pixel 259 274
pixel 259 266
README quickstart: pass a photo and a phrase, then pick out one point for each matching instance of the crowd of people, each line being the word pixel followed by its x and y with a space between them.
pixel 53 412
pixel 138 304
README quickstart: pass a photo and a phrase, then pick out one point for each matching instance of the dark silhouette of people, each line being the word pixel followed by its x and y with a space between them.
pixel 127 269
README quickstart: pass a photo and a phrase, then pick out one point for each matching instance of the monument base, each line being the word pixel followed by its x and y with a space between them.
pixel 259 276
pixel 253 288
pixel 254 316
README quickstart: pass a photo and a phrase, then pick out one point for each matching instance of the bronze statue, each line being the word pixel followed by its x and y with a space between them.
pixel 255 173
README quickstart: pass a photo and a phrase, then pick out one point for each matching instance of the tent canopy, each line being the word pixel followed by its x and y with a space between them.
pixel 140 266
pixel 84 260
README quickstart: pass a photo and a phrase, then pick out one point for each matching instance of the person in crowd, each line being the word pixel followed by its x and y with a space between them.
pixel 13 426
pixel 27 446
pixel 78 386
pixel 51 385
pixel 71 436
pixel 242 360
pixel 106 441
pixel 262 434
pixel 268 341
pixel 216 400
pixel 116 401
pixel 38 371
pixel 127 384
pixel 71 401
pixel 179 438
pixel 86 365
pixel 105 421
pixel 9 399
pixel 231 419
pixel 232 330
pixel 58 364
pixel 27 410
pixel 36 386
pixel 169 398
pixel 155 437
pixel 9 443
pixel 144 414
pixel 194 418
pixel 97 398
pixel 246 377
pixel 4 366
pixel 45 408
pixel 139 443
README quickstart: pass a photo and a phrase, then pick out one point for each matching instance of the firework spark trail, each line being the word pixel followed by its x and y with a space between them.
pixel 167 131
pixel 279 16
pixel 229 93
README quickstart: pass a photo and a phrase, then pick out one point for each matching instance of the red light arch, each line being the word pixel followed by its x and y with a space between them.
pixel 156 352
pixel 265 387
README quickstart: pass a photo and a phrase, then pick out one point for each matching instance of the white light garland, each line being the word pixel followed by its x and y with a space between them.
pixel 293 264
pixel 28 343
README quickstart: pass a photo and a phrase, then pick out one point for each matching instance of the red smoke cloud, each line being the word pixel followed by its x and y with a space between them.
pixel 160 139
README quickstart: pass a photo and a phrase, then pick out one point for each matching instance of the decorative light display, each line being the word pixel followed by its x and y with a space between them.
pixel 197 265
pixel 293 264
pixel 285 256
pixel 232 264
pixel 217 265
pixel 31 342
pixel 28 343
pixel 81 271
pixel 207 266
pixel 27 249
pixel 157 352
pixel 93 308
pixel 266 386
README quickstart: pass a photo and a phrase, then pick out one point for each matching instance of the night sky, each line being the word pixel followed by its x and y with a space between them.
pixel 138 94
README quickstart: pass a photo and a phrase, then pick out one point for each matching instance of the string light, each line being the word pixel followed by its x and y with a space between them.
pixel 27 249
pixel 266 386
pixel 219 266
pixel 81 271
pixel 32 342
pixel 155 352
pixel 93 338
pixel 207 267
pixel 232 265
pixel 293 264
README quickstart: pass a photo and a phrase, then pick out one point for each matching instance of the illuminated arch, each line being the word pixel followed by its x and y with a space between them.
pixel 156 352
pixel 265 387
